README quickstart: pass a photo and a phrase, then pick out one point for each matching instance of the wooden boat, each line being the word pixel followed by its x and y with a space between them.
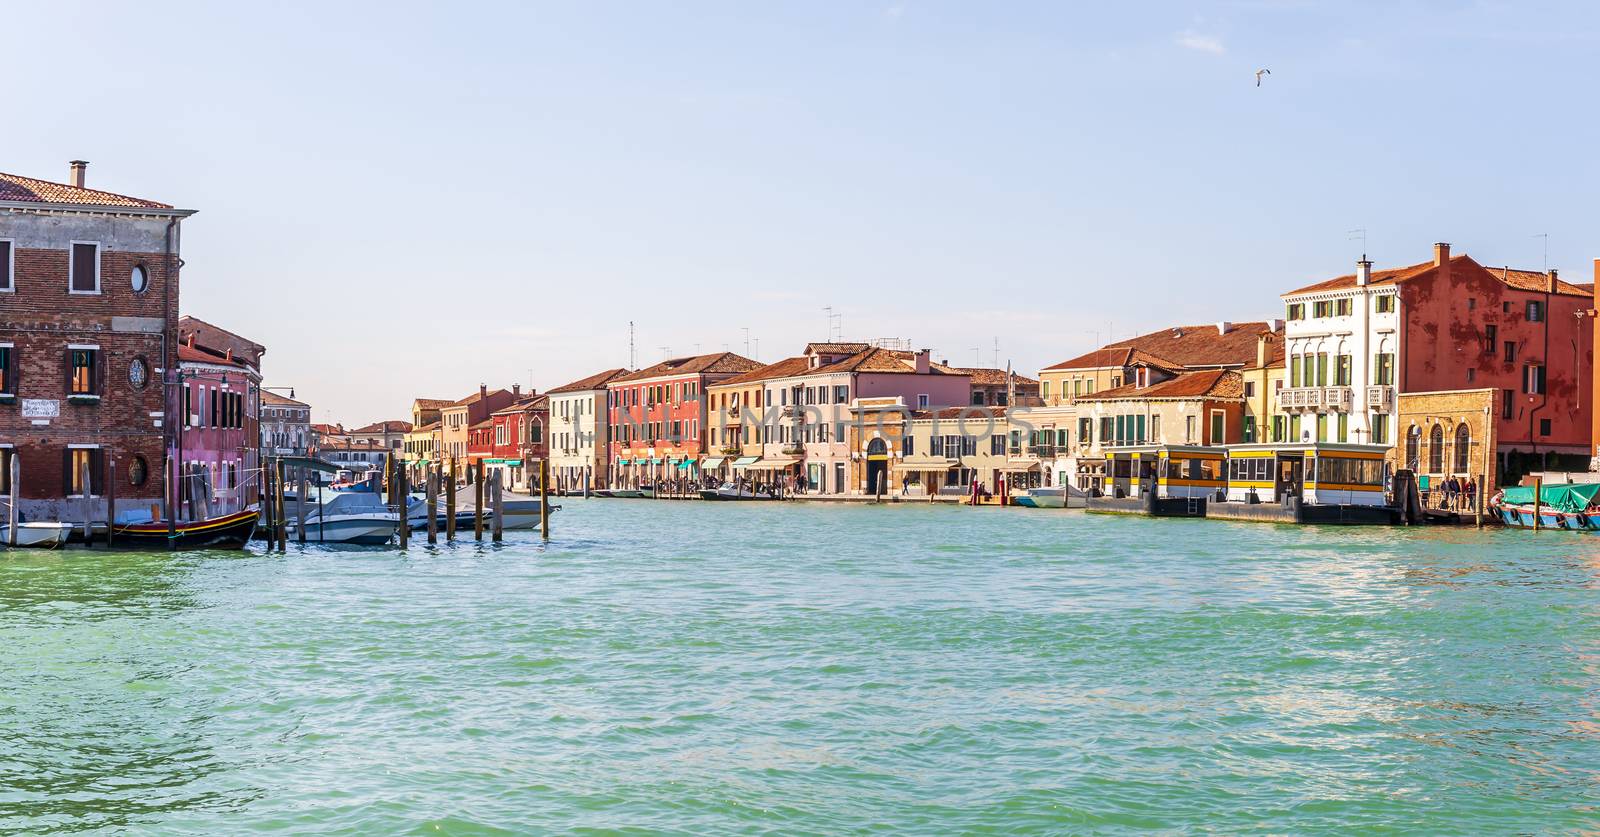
pixel 1572 506
pixel 37 535
pixel 230 531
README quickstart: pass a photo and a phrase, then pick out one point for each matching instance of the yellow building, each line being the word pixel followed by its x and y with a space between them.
pixel 735 409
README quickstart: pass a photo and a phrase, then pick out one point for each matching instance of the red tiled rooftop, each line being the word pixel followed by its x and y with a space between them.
pixel 1208 383
pixel 719 362
pixel 595 381
pixel 782 369
pixel 15 187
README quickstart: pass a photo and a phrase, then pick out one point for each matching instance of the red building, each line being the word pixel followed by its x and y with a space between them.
pixel 1520 332
pixel 520 442
pixel 657 416
pixel 480 443
pixel 88 347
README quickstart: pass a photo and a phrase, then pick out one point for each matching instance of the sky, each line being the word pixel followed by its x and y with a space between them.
pixel 407 200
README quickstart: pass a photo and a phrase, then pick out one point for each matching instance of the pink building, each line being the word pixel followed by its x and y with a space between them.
pixel 216 465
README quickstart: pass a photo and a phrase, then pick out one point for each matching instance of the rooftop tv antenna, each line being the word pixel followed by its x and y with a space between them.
pixel 997 352
pixel 1361 233
pixel 746 341
pixel 666 352
pixel 633 356
pixel 1546 237
pixel 834 318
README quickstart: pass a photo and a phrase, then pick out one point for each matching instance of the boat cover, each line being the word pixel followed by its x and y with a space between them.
pixel 1573 497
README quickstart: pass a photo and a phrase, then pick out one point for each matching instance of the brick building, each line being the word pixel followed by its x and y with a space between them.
pixel 88 345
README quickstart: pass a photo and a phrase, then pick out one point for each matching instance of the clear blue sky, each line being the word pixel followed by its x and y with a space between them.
pixel 523 179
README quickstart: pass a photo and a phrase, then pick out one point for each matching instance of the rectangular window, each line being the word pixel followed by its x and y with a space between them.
pixel 1343 429
pixel 997 445
pixel 1085 430
pixel 1533 379
pixel 1294 371
pixel 81 378
pixel 85 267
pixel 1380 429
pixel 1322 427
pixel 1248 432
pixel 1188 430
pixel 908 445
pixel 841 394
pixel 83 472
pixel 922 401
pixel 1511 351
pixel 1508 404
pixel 1535 311
pixel 1319 309
pixel 1278 427
pixel 1297 311
pixel 1341 307
pixel 1249 389
pixel 1383 304
pixel 1341 371
pixel 1472 303
pixel 1219 424
pixel 1544 427
pixel 1105 430
pixel 1471 373
pixel 1383 369
pixel 1155 428
pixel 8 375
pixel 1322 369
pixel 7 265
pixel 1491 338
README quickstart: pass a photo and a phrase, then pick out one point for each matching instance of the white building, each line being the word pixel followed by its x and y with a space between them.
pixel 1341 341
pixel 285 425
pixel 578 442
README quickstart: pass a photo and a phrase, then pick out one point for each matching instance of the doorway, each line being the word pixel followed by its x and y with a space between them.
pixel 1290 480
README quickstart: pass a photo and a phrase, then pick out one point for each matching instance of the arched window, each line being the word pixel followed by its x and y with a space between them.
pixel 1436 450
pixel 1463 448
pixel 1413 447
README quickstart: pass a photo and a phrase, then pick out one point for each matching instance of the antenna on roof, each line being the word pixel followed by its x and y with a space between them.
pixel 746 341
pixel 1546 237
pixel 633 357
pixel 1361 233
pixel 666 352
pixel 997 352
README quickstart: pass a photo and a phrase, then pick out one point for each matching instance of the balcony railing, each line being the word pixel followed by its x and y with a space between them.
pixel 1313 399
pixel 1338 398
pixel 1380 396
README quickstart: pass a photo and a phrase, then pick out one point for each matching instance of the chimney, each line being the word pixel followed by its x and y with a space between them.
pixel 1224 327
pixel 78 167
pixel 1275 326
pixel 922 360
pixel 516 390
pixel 1364 268
pixel 1551 284
pixel 1441 253
pixel 483 390
pixel 1261 351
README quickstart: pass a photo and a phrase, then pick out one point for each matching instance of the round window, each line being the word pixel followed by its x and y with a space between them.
pixel 140 279
pixel 138 471
pixel 138 373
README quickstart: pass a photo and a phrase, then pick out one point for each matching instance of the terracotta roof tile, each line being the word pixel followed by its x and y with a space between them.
pixel 595 381
pixel 392 426
pixel 476 397
pixel 972 412
pixel 1208 383
pixel 15 187
pixel 985 376
pixel 892 361
pixel 1522 280
pixel 836 348
pixel 719 362
pixel 430 403
pixel 272 399
pixel 1177 348
pixel 782 369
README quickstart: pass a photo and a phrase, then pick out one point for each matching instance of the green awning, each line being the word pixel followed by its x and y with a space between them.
pixel 686 464
pixel 515 463
pixel 493 461
pixel 746 461
pixel 712 462
pixel 1567 498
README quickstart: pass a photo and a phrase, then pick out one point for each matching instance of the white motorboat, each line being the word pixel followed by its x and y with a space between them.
pixel 38 535
pixel 516 514
pixel 1050 498
pixel 730 491
pixel 354 517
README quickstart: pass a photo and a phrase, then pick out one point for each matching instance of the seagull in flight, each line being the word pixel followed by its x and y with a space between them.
pixel 1262 72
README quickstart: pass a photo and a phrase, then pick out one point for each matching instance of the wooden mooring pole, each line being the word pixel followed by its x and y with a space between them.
pixel 544 498
pixel 300 492
pixel 1538 500
pixel 404 494
pixel 450 504
pixel 497 532
pixel 432 494
pixel 279 511
pixel 476 469
pixel 11 507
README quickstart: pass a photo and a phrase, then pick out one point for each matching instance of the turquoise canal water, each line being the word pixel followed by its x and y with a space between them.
pixel 806 668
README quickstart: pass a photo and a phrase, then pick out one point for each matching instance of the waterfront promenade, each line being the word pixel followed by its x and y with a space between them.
pixel 811 668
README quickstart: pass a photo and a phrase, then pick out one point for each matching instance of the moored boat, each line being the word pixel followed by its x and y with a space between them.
pixel 229 531
pixel 37 535
pixel 1571 506
pixel 352 517
pixel 1042 498
pixel 729 491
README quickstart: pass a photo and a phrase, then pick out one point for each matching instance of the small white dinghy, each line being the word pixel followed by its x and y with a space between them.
pixel 37 535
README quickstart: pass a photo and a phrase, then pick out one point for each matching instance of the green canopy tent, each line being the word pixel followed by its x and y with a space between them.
pixel 1573 497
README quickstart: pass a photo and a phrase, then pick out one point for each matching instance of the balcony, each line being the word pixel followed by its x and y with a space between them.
pixel 1338 399
pixel 1381 397
pixel 1316 399
pixel 793 449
